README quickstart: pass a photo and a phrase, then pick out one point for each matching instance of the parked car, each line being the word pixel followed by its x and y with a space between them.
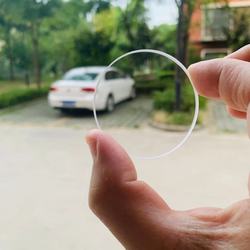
pixel 78 86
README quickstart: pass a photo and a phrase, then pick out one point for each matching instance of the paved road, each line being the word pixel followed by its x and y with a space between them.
pixel 222 121
pixel 37 113
pixel 130 114
pixel 46 166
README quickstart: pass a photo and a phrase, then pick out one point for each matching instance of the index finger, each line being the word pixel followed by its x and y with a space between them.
pixel 241 54
pixel 226 79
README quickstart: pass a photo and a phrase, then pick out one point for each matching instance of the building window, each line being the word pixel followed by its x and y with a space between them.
pixel 215 21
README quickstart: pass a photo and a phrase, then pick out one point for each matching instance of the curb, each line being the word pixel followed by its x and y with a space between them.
pixel 172 128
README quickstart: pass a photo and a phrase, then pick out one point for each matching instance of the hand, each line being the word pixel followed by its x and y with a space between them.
pixel 137 215
pixel 227 79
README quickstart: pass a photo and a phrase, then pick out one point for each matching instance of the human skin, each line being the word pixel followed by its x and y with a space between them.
pixel 137 216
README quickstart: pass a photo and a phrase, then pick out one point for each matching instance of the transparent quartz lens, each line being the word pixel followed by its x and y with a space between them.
pixel 138 93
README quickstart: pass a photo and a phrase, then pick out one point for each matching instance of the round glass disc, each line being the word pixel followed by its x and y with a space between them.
pixel 146 77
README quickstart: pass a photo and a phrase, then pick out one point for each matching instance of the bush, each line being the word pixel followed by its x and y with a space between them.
pixel 163 74
pixel 159 80
pixel 203 102
pixel 151 86
pixel 180 118
pixel 165 100
pixel 16 96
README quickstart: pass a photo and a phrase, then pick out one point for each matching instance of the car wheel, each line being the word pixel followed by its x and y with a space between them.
pixel 110 104
pixel 132 93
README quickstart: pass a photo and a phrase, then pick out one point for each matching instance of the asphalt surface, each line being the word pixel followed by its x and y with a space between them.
pixel 45 170
pixel 221 121
pixel 130 114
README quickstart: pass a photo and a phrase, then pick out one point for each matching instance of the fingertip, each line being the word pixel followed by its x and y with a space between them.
pixel 91 139
pixel 195 73
pixel 92 135
pixel 248 120
pixel 241 54
pixel 193 66
pixel 205 77
pixel 192 69
pixel 112 164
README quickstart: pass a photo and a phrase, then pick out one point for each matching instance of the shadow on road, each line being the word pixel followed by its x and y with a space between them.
pixel 82 113
pixel 76 113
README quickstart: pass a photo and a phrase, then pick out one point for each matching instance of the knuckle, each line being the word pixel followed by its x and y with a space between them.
pixel 101 198
pixel 96 199
pixel 232 87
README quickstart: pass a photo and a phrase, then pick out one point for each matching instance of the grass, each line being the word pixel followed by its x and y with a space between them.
pixel 10 85
pixel 13 93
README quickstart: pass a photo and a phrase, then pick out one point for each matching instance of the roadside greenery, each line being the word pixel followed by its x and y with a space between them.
pixel 165 100
pixel 164 106
pixel 158 81
pixel 177 118
pixel 18 93
pixel 45 38
pixel 40 38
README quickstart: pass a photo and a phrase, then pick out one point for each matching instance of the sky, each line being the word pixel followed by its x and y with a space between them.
pixel 159 11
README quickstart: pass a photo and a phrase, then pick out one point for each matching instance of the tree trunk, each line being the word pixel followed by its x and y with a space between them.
pixel 36 55
pixel 10 55
pixel 181 53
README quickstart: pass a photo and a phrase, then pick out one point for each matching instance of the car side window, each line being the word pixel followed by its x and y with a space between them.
pixel 112 75
pixel 109 75
pixel 116 75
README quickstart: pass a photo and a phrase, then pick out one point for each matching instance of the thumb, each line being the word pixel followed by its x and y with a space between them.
pixel 248 120
pixel 249 184
pixel 129 208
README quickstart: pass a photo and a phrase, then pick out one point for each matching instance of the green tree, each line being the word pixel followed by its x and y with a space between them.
pixel 133 23
pixel 92 48
pixel 98 6
pixel 21 55
pixel 60 31
pixel 8 23
pixel 33 13
pixel 72 36
pixel 163 38
pixel 238 32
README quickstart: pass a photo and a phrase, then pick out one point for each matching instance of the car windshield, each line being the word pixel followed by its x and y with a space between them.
pixel 80 76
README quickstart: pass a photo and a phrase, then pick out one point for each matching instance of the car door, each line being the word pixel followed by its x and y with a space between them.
pixel 127 85
pixel 113 81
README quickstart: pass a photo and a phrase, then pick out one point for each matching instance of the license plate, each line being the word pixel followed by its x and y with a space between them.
pixel 69 104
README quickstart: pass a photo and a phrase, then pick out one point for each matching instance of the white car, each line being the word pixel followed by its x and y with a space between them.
pixel 78 86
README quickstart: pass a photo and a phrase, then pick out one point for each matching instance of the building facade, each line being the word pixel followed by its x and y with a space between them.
pixel 209 25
